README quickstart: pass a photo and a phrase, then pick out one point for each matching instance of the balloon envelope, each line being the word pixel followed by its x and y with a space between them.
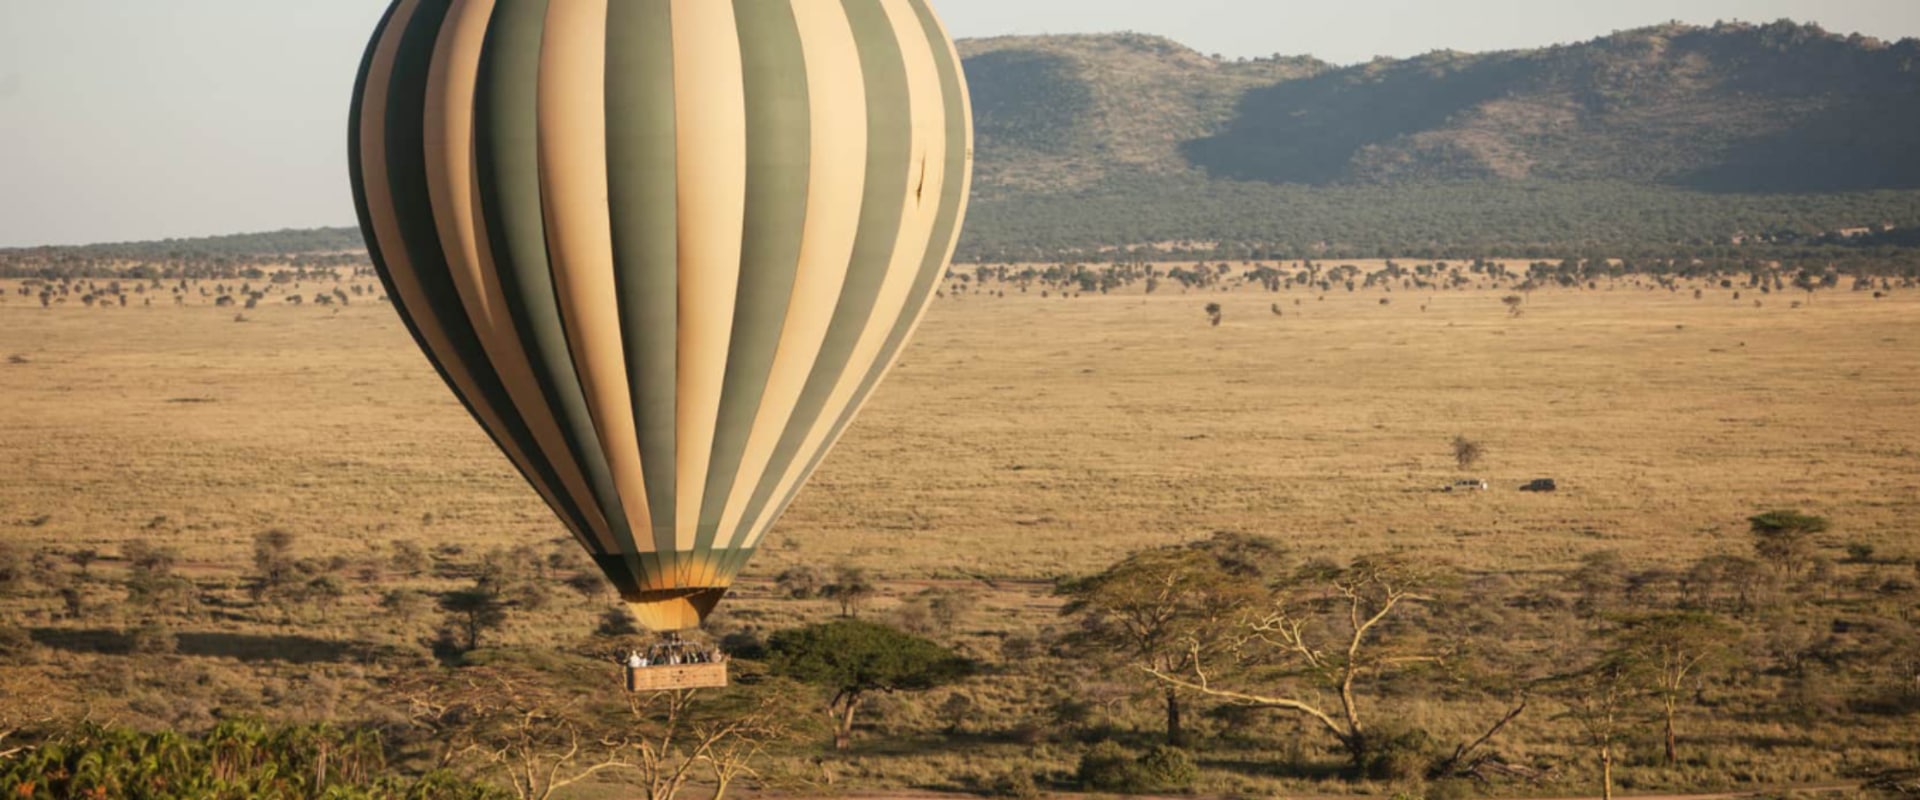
pixel 663 250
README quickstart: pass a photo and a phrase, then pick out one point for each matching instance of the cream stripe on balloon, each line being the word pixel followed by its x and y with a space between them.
pixel 710 114
pixel 573 187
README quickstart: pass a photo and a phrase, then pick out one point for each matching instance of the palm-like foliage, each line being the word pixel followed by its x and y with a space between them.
pixel 240 760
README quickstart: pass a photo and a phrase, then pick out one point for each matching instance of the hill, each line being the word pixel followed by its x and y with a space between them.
pixel 1780 107
pixel 1063 112
pixel 1776 108
pixel 1668 135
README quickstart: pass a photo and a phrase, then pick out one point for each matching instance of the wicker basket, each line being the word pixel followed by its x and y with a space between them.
pixel 678 676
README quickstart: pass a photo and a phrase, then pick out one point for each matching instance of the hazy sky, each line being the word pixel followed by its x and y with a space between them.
pixel 138 119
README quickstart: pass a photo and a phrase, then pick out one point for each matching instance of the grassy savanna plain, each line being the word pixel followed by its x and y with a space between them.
pixel 1021 439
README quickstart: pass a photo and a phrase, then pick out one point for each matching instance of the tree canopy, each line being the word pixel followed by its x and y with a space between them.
pixel 855 658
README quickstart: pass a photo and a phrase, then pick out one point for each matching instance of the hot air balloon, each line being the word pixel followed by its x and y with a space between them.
pixel 662 250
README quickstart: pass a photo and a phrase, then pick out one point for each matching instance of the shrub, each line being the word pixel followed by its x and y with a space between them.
pixel 1452 789
pixel 1018 647
pixel 16 645
pixel 83 558
pixel 1403 754
pixel 588 584
pixel 745 644
pixel 531 595
pixel 800 583
pixel 153 639
pixel 13 569
pixel 616 622
pixel 1169 768
pixel 1467 452
pixel 956 711
pixel 1017 783
pixel 408 558
pixel 1108 767
pixel 74 600
pixel 146 557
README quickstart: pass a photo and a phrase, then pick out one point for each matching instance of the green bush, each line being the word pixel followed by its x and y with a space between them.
pixel 1402 754
pixel 1452 789
pixel 1017 783
pixel 1109 767
pixel 1169 768
pixel 237 759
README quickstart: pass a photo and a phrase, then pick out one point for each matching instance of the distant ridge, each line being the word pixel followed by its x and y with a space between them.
pixel 229 246
pixel 1781 107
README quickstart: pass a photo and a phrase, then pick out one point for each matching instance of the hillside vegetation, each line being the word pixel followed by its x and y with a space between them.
pixel 1780 107
pixel 1671 136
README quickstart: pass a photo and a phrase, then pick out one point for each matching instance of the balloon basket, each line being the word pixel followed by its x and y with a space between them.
pixel 673 664
pixel 676 678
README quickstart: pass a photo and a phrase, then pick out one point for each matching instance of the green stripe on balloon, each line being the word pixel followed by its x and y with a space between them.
pixel 643 202
pixel 506 146
pixel 405 145
pixel 946 224
pixel 889 141
pixel 779 154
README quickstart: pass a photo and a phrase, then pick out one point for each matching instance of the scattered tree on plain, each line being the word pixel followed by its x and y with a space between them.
pixel 1467 452
pixel 1785 539
pixel 854 659
pixel 1162 610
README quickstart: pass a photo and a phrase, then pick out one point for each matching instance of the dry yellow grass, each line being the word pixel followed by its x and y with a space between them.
pixel 1022 438
pixel 1026 436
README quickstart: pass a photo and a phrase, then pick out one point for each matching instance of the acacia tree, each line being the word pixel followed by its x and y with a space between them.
pixel 1671 654
pixel 1599 698
pixel 474 611
pixel 854 659
pixel 673 741
pixel 1467 452
pixel 1786 539
pixel 278 569
pixel 851 589
pixel 512 725
pixel 1805 280
pixel 1159 610
pixel 1320 634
